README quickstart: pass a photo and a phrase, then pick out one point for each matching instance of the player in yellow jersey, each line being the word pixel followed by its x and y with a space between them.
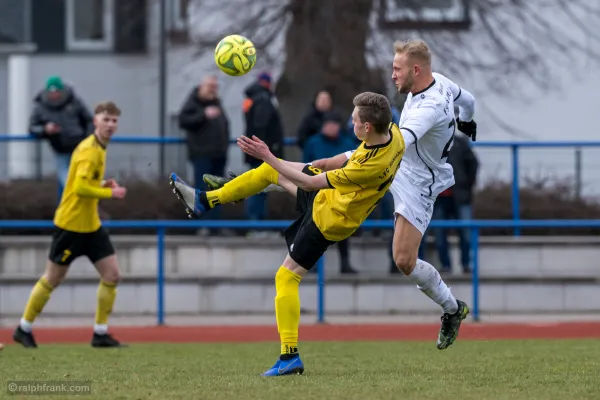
pixel 333 205
pixel 80 233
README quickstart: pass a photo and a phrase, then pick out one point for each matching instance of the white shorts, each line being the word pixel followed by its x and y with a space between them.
pixel 411 202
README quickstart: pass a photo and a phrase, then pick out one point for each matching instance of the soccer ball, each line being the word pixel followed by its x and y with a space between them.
pixel 235 55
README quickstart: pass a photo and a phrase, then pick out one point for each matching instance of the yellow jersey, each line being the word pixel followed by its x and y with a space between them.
pixel 78 208
pixel 357 187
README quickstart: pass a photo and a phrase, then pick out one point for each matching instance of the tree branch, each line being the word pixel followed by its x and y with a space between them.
pixel 261 21
pixel 515 45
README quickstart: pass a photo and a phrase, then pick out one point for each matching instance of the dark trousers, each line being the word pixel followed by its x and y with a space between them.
pixel 256 206
pixel 446 208
pixel 213 166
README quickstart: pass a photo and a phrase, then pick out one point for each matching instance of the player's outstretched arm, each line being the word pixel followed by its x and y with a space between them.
pixel 258 149
pixel 335 162
pixel 298 178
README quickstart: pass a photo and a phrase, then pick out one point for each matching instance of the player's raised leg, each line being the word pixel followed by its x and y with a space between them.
pixel 199 202
pixel 283 184
pixel 215 182
pixel 406 247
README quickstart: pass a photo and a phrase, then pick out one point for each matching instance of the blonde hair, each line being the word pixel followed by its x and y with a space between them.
pixel 108 107
pixel 416 49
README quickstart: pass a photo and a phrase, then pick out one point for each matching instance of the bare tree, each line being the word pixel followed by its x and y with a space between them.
pixel 517 47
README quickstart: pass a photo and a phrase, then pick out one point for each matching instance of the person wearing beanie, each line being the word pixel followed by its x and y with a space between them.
pixel 62 118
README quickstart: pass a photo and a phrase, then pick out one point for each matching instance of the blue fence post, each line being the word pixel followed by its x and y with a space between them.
pixel 475 272
pixel 516 206
pixel 321 290
pixel 160 278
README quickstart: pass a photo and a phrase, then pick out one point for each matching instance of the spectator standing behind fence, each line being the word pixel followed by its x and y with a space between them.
pixel 313 120
pixel 60 116
pixel 263 120
pixel 456 202
pixel 207 130
pixel 329 142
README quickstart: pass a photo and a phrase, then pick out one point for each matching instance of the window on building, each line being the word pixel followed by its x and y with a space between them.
pixel 179 14
pixel 89 24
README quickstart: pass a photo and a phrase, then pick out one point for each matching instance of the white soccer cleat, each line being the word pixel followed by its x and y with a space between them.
pixel 189 196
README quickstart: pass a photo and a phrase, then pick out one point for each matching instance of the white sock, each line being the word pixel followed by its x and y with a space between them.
pixel 429 281
pixel 101 329
pixel 26 325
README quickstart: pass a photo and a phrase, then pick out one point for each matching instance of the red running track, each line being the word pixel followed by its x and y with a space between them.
pixel 254 333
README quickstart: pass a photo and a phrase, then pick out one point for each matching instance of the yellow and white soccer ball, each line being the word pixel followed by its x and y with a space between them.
pixel 235 55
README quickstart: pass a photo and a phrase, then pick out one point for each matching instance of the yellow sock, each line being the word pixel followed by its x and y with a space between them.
pixel 107 293
pixel 287 309
pixel 249 183
pixel 37 299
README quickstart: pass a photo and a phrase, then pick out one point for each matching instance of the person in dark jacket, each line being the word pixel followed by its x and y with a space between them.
pixel 60 116
pixel 207 130
pixel 264 121
pixel 313 120
pixel 262 116
pixel 456 202
pixel 329 142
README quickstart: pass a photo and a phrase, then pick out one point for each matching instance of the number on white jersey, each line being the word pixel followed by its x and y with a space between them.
pixel 448 147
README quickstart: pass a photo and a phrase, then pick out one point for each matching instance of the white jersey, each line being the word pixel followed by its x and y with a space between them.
pixel 428 124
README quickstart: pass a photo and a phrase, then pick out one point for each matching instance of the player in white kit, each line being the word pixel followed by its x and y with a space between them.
pixel 427 124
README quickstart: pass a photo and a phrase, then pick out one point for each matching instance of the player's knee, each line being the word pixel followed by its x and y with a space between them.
pixel 112 275
pixel 53 279
pixel 405 261
pixel 55 273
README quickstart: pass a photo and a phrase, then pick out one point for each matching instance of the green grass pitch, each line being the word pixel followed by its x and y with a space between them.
pixel 513 370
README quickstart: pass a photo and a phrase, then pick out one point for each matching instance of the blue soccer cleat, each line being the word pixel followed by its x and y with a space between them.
pixel 293 366
pixel 189 196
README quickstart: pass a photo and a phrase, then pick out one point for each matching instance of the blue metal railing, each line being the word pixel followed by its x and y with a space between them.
pixel 161 225
pixel 516 223
pixel 514 146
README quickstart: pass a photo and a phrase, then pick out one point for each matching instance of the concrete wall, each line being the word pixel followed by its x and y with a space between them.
pixel 213 276
pixel 381 296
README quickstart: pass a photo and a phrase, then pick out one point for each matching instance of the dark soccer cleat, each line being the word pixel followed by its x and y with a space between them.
pixel 217 182
pixel 189 196
pixel 451 325
pixel 105 341
pixel 25 338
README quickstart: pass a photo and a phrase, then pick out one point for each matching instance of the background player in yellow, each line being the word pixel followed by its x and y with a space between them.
pixel 332 206
pixel 79 231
